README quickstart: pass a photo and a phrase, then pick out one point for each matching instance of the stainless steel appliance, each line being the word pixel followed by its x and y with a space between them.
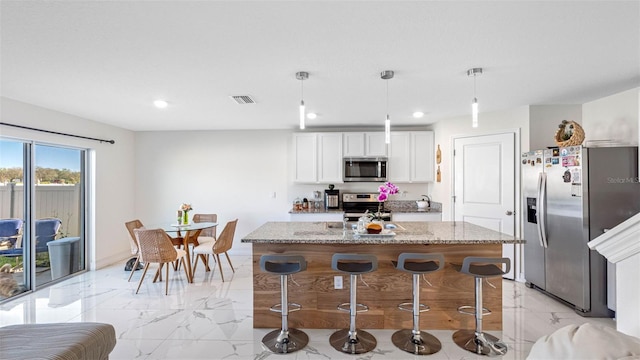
pixel 570 196
pixel 355 205
pixel 365 169
pixel 331 199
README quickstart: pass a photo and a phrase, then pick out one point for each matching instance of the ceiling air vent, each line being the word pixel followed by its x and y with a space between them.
pixel 243 99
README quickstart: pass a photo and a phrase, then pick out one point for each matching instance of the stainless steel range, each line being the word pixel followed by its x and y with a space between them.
pixel 355 205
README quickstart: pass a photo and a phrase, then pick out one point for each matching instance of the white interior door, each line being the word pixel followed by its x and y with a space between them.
pixel 484 185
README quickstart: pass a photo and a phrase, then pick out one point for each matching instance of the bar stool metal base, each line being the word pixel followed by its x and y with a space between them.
pixel 426 345
pixel 483 344
pixel 364 342
pixel 280 344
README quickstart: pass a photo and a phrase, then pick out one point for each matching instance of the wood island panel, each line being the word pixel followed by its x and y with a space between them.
pixel 388 287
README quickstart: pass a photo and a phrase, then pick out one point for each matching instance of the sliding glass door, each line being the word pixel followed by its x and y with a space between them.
pixel 58 206
pixel 14 230
pixel 42 203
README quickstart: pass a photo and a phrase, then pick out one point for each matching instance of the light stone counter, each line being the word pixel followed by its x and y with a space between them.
pixel 437 232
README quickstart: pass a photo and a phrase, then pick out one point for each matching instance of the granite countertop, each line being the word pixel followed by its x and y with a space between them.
pixel 409 232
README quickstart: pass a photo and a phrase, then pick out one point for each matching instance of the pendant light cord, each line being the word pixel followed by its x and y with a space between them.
pixel 387 97
pixel 474 86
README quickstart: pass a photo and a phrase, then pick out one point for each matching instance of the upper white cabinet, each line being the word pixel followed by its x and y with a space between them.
pixel 357 144
pixel 411 157
pixel 399 165
pixel 318 157
pixel 305 149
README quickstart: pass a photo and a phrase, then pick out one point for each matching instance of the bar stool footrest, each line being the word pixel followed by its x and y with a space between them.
pixel 408 306
pixel 292 307
pixel 479 344
pixel 465 310
pixel 280 343
pixel 347 307
pixel 424 344
pixel 364 342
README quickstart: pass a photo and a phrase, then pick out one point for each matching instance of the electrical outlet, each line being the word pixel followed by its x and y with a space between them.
pixel 337 282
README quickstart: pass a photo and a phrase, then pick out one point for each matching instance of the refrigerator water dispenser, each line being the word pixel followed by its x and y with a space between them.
pixel 531 210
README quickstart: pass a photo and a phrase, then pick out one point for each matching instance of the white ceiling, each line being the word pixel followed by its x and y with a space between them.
pixel 108 60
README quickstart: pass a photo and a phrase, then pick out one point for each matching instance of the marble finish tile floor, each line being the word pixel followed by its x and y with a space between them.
pixel 210 319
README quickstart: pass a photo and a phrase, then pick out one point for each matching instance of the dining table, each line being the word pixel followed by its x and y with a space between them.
pixel 186 234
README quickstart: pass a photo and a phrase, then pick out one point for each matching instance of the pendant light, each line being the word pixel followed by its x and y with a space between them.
pixel 302 75
pixel 474 104
pixel 386 75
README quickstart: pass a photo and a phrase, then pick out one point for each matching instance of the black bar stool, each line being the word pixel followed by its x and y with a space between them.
pixel 284 340
pixel 353 341
pixel 415 341
pixel 477 341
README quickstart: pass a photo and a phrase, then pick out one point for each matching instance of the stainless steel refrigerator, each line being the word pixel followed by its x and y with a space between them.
pixel 570 196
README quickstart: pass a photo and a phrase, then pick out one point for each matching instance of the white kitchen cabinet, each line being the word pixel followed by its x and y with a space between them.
pixel 417 216
pixel 422 156
pixel 305 147
pixel 315 217
pixel 330 158
pixel 357 144
pixel 411 157
pixel 317 157
pixel 399 164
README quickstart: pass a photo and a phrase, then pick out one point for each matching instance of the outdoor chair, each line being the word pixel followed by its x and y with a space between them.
pixel 10 233
pixel 46 230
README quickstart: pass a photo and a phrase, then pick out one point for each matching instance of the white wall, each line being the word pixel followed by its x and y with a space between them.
pixel 114 192
pixel 230 173
pixel 544 121
pixel 613 117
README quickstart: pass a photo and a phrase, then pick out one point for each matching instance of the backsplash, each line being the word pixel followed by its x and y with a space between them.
pixel 404 205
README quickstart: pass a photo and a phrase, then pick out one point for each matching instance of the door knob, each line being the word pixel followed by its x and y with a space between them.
pixel 509 213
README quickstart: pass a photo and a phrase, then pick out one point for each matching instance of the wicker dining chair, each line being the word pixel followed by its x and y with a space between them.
pixel 208 234
pixel 222 245
pixel 156 247
pixel 131 226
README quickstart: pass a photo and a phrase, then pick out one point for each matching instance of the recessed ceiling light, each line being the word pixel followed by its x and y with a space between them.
pixel 418 114
pixel 311 115
pixel 160 104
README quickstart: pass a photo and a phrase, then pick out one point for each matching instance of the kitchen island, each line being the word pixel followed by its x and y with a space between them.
pixel 384 288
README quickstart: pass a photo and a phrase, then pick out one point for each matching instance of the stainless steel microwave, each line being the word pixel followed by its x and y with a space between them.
pixel 372 169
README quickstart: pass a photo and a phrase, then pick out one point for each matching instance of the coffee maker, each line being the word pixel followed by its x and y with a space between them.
pixel 331 199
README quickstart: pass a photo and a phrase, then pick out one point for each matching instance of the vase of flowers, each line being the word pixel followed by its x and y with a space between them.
pixel 384 191
pixel 185 208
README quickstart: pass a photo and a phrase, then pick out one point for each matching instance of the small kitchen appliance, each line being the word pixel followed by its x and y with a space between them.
pixel 365 169
pixel 331 199
pixel 356 204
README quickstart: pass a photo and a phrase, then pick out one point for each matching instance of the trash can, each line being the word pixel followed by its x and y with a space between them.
pixel 64 256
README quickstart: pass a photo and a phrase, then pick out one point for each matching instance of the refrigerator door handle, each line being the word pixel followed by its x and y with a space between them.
pixel 541 214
